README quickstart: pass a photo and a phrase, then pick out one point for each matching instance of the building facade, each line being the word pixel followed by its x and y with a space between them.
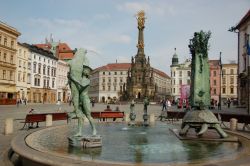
pixel 229 82
pixel 243 31
pixel 109 82
pixel 215 80
pixel 43 75
pixel 23 73
pixel 8 49
pixel 63 91
pixel 180 75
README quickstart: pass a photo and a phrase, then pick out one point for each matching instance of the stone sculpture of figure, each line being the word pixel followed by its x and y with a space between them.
pixel 78 77
pixel 141 18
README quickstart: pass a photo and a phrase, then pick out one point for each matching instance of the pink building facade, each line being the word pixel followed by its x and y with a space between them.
pixel 215 80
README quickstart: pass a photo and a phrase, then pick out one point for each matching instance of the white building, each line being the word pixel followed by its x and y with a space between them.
pixel 180 75
pixel 108 82
pixel 243 31
pixel 23 74
pixel 63 91
pixel 43 75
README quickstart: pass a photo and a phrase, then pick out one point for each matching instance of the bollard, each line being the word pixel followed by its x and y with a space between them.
pixel 233 124
pixel 126 117
pixel 48 120
pixel 152 119
pixel 8 129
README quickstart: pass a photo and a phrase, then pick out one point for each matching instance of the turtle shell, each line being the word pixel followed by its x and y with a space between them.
pixel 200 116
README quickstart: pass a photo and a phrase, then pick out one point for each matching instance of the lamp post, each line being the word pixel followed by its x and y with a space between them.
pixel 221 74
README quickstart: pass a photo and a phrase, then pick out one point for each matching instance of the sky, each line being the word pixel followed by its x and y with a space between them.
pixel 108 28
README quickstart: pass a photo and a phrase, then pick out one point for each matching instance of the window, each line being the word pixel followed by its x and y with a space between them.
pixel 231 71
pixel 120 79
pixel 39 58
pixel 12 44
pixel 114 88
pixel 214 82
pixel 47 83
pixel 180 73
pixel 11 75
pixel 109 73
pixel 103 73
pixel 103 80
pixel 39 68
pixel 4 57
pixel 5 41
pixel 115 73
pixel 121 73
pixel 19 76
pixel 231 80
pixel 24 76
pixel 44 69
pixel 115 79
pixel 103 88
pixel 174 82
pixel 224 71
pixel 12 59
pixel 29 65
pixel 109 79
pixel 34 67
pixel 214 91
pixel 174 73
pixel 53 83
pixel 24 65
pixel 180 82
pixel 231 90
pixel 223 90
pixel 189 73
pixel 48 69
pixel 4 74
pixel 214 73
pixel 224 80
pixel 28 78
pixel 109 88
pixel 174 90
pixel 0 38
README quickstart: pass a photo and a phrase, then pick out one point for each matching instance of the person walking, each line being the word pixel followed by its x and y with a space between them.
pixel 228 103
pixel 164 105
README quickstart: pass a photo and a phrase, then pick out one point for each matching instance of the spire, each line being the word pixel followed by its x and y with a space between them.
pixel 175 59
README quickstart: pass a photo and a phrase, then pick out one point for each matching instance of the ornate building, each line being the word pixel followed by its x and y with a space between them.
pixel 215 80
pixel 140 82
pixel 8 45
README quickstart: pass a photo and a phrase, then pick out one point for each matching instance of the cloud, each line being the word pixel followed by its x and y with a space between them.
pixel 150 7
pixel 125 39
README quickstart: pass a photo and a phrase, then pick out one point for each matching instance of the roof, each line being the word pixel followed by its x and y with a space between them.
pixel 243 20
pixel 63 50
pixel 125 66
pixel 41 51
pixel 214 62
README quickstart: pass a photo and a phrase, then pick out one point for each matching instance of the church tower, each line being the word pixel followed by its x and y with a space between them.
pixel 140 81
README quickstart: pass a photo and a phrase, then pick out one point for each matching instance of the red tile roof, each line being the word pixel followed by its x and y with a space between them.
pixel 44 46
pixel 125 66
pixel 244 19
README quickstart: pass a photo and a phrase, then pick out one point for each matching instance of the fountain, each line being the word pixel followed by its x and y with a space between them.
pixel 121 144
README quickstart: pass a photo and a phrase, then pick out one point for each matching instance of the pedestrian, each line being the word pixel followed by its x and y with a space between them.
pixel 219 106
pixel 228 103
pixel 107 109
pixel 25 101
pixel 164 105
pixel 117 110
pixel 93 102
pixel 17 102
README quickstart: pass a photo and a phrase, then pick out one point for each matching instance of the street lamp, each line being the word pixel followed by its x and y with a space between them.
pixel 221 75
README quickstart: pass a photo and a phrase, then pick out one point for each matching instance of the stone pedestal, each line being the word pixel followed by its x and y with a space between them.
pixel 8 128
pixel 48 121
pixel 152 119
pixel 85 141
pixel 233 124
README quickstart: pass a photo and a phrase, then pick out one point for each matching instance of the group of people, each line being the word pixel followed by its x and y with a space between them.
pixel 166 104
pixel 21 101
pixel 109 109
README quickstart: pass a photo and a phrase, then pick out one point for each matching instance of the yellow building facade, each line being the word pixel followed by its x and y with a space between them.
pixel 8 45
pixel 229 81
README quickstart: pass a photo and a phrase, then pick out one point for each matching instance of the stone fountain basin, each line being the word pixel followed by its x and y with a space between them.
pixel 123 145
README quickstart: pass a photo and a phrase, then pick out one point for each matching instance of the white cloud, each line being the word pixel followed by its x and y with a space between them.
pixel 122 39
pixel 133 7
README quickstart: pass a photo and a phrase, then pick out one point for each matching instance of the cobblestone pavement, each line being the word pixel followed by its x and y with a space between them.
pixel 18 114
